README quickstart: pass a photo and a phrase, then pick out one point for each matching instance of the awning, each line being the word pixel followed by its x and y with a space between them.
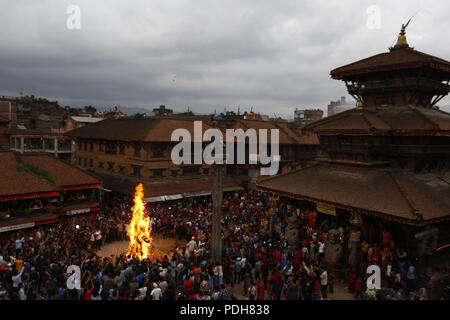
pixel 29 196
pixel 163 198
pixel 197 194
pixel 174 197
pixel 154 199
pixel 233 189
pixel 84 186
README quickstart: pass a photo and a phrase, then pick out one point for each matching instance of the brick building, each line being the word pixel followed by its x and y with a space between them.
pixel 296 148
pixel 37 141
pixel 305 116
pixel 124 152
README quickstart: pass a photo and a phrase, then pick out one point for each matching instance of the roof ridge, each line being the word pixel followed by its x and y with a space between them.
pixel 433 124
pixel 375 114
pixel 368 121
pixel 287 173
pixel 292 138
pixel 411 204
pixel 328 119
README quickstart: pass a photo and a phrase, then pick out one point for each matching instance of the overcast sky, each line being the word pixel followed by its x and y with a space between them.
pixel 206 54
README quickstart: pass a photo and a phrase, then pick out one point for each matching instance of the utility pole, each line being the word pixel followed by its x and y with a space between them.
pixel 217 194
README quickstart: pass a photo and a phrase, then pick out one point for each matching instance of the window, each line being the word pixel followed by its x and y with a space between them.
pixel 137 151
pixel 190 169
pixel 91 163
pixel 101 147
pixel 85 162
pixel 111 148
pixel 137 171
pixel 157 172
pixel 100 164
pixel 111 166
pixel 91 147
pixel 121 148
pixel 85 145
pixel 79 161
pixel 158 151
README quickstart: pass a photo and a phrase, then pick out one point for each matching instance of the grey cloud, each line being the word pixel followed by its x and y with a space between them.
pixel 208 54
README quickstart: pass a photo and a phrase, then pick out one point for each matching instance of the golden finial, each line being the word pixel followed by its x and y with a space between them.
pixel 359 105
pixel 401 41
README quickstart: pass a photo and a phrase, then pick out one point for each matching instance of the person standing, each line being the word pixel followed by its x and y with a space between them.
pixel 260 290
pixel 156 292
pixel 389 275
pixel 411 277
pixel 324 283
pixel 321 250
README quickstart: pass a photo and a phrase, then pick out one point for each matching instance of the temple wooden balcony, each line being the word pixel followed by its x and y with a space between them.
pixel 355 148
pixel 434 86
pixel 419 150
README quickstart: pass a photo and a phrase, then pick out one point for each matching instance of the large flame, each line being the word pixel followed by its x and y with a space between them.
pixel 139 231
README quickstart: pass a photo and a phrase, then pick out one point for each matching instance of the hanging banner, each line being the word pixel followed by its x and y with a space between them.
pixel 324 208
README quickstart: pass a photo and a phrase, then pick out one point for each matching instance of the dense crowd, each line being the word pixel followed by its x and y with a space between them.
pixel 258 262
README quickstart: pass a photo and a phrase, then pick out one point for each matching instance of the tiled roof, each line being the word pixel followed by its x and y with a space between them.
pixel 19 182
pixel 151 129
pixel 394 59
pixel 63 173
pixel 15 182
pixel 397 195
pixel 164 186
pixel 384 118
pixel 288 132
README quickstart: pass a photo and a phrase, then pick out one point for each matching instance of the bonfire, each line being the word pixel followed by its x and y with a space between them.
pixel 139 231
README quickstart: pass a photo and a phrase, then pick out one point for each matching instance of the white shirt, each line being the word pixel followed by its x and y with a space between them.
pixel 19 243
pixel 192 245
pixel 17 279
pixel 321 247
pixel 324 278
pixel 156 294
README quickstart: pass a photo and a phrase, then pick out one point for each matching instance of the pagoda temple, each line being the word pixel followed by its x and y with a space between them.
pixel 388 158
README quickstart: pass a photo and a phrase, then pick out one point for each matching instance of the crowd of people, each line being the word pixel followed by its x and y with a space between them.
pixel 258 262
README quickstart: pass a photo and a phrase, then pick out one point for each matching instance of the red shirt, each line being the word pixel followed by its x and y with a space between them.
pixel 316 288
pixel 260 291
pixel 187 287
